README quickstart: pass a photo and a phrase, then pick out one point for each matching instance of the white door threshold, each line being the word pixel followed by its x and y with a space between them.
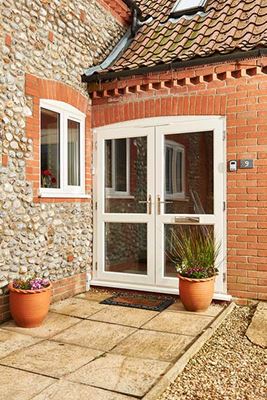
pixel 155 289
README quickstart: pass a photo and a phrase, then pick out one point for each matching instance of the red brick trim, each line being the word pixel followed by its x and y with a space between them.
pixel 39 88
pixel 62 289
pixel 118 9
pixel 174 80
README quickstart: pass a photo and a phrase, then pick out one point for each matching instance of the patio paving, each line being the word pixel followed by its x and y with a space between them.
pixel 88 350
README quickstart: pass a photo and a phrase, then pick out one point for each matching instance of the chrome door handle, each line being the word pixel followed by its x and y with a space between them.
pixel 148 202
pixel 159 202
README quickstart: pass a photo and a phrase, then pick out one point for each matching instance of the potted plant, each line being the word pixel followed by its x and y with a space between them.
pixel 29 301
pixel 194 251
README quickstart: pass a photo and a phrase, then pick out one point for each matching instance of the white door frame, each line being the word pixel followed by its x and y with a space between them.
pixel 102 217
pixel 155 281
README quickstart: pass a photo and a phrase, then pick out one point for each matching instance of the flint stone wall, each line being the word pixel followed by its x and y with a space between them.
pixel 58 40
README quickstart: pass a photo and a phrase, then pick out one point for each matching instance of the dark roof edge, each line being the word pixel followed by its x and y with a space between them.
pixel 235 56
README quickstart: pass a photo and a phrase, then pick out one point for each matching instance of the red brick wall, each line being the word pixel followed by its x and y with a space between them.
pixel 239 93
pixel 38 88
pixel 62 289
pixel 118 9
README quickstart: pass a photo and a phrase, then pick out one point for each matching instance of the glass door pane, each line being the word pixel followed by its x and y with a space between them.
pixel 126 248
pixel 188 186
pixel 126 175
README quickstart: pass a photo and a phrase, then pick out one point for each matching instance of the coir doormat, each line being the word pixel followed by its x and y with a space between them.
pixel 145 302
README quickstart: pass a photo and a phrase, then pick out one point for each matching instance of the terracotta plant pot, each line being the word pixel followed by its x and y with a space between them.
pixel 196 294
pixel 29 307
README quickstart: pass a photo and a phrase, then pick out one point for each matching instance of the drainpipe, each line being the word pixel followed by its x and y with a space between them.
pixel 137 21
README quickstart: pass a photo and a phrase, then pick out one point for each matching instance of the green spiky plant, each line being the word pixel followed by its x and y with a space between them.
pixel 194 252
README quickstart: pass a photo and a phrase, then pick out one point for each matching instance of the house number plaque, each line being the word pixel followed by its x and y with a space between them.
pixel 246 164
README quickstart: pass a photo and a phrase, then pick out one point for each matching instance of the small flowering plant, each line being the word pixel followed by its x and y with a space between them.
pixel 194 251
pixel 48 179
pixel 31 283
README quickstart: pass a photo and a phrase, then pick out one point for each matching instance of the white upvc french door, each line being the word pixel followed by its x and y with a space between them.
pixel 125 218
pixel 196 206
pixel 152 177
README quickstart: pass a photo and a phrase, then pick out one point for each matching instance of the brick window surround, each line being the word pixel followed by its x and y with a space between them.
pixel 35 90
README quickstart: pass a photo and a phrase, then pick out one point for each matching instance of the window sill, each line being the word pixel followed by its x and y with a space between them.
pixel 64 196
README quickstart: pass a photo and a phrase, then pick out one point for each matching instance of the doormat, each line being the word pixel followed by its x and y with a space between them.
pixel 143 301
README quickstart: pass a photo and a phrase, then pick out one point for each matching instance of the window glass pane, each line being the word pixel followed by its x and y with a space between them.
pixel 184 5
pixel 50 149
pixel 108 163
pixel 120 165
pixel 73 153
pixel 173 168
pixel 178 169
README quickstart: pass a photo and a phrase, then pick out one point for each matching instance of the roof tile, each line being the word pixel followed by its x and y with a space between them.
pixel 226 26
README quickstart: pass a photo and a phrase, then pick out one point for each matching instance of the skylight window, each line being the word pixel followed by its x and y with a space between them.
pixel 188 7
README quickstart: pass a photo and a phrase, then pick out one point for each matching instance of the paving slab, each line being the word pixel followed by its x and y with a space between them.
pixel 126 375
pixel 21 385
pixel 13 341
pixel 95 335
pixel 51 358
pixel 94 296
pixel 76 391
pixel 76 307
pixel 212 311
pixel 257 330
pixel 153 345
pixel 180 323
pixel 124 316
pixel 53 324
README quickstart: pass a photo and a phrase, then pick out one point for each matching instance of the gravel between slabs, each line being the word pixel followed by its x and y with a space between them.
pixel 228 367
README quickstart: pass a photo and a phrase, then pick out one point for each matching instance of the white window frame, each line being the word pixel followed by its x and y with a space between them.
pixel 177 147
pixel 110 191
pixel 66 112
pixel 188 6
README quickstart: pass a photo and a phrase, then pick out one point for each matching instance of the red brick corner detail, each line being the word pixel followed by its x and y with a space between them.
pixel 118 9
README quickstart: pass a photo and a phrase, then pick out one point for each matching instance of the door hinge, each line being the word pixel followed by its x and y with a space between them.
pixel 224 277
pixel 95 145
pixel 96 266
pixel 224 206
pixel 96 205
pixel 224 134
